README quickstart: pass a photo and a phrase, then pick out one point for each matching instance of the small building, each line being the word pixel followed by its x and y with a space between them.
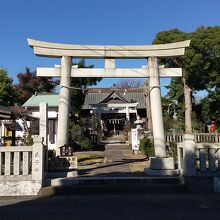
pixel 14 121
pixel 114 107
pixel 10 125
pixel 52 99
pixel 6 134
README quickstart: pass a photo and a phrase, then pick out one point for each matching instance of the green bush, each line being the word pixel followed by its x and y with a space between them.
pixel 173 150
pixel 51 154
pixel 147 147
pixel 86 133
pixel 74 127
pixel 27 139
pixel 86 144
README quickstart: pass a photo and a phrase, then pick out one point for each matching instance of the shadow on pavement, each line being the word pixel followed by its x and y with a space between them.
pixel 152 206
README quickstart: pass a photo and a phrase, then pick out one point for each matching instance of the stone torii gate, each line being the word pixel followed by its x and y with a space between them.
pixel 66 70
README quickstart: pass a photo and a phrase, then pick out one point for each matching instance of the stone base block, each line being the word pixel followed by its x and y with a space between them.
pixel 151 172
pixel 62 181
pixel 20 188
pixel 62 174
pixel 200 184
pixel 157 163
pixel 217 184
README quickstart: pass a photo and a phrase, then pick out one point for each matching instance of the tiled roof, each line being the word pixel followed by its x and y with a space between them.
pixel 51 99
pixel 5 112
pixel 114 94
pixel 109 90
pixel 94 98
pixel 19 109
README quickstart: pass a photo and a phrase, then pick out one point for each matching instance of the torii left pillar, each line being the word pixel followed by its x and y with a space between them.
pixel 64 103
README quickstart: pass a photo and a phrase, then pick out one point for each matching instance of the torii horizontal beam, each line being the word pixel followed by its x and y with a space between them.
pixel 48 49
pixel 109 72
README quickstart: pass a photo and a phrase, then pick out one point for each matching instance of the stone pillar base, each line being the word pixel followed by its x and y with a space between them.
pixel 161 167
pixel 189 159
pixel 166 163
pixel 150 172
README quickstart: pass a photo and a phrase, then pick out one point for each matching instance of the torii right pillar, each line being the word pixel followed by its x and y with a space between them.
pixel 160 164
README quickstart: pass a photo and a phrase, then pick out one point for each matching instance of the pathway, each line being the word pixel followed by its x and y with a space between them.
pixel 118 162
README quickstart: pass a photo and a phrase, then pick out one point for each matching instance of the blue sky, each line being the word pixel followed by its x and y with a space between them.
pixel 93 22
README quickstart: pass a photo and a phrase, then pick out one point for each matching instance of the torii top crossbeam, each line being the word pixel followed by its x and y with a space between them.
pixel 42 48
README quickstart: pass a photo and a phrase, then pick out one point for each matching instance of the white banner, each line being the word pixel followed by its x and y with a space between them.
pixel 134 139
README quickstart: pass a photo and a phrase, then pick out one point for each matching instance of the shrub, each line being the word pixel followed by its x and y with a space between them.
pixel 27 139
pixel 51 154
pixel 74 127
pixel 86 144
pixel 147 147
pixel 86 133
pixel 173 150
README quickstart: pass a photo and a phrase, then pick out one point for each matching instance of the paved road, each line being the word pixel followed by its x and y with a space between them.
pixel 89 207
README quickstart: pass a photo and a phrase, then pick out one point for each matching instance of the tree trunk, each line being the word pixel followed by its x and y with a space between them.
pixel 148 108
pixel 188 107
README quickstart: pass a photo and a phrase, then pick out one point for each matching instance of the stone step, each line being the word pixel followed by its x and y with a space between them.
pixel 115 180
pixel 127 151
pixel 69 190
pixel 114 142
pixel 92 185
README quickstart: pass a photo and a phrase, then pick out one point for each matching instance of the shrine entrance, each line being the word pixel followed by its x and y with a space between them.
pixel 152 70
pixel 113 124
pixel 113 113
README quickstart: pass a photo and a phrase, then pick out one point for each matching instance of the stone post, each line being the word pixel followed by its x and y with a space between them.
pixel 44 130
pixel 44 122
pixel 64 103
pixel 189 158
pixel 156 109
pixel 99 117
pixel 38 160
pixel 127 113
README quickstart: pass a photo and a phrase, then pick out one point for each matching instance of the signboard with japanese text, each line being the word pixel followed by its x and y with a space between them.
pixel 134 139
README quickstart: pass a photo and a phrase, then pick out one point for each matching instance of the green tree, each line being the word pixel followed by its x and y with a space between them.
pixel 175 99
pixel 7 93
pixel 80 84
pixel 208 109
pixel 200 63
pixel 29 84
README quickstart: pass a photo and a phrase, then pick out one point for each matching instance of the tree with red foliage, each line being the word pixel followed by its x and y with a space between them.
pixel 29 84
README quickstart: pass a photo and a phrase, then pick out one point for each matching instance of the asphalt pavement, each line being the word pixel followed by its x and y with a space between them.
pixel 133 206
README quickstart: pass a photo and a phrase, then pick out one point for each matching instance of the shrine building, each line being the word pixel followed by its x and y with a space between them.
pixel 112 108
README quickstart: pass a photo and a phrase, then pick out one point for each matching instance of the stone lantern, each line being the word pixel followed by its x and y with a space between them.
pixel 139 123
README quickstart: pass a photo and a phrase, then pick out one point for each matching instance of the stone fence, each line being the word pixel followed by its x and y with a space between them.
pixel 22 169
pixel 199 138
pixel 199 163
pixel 206 159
